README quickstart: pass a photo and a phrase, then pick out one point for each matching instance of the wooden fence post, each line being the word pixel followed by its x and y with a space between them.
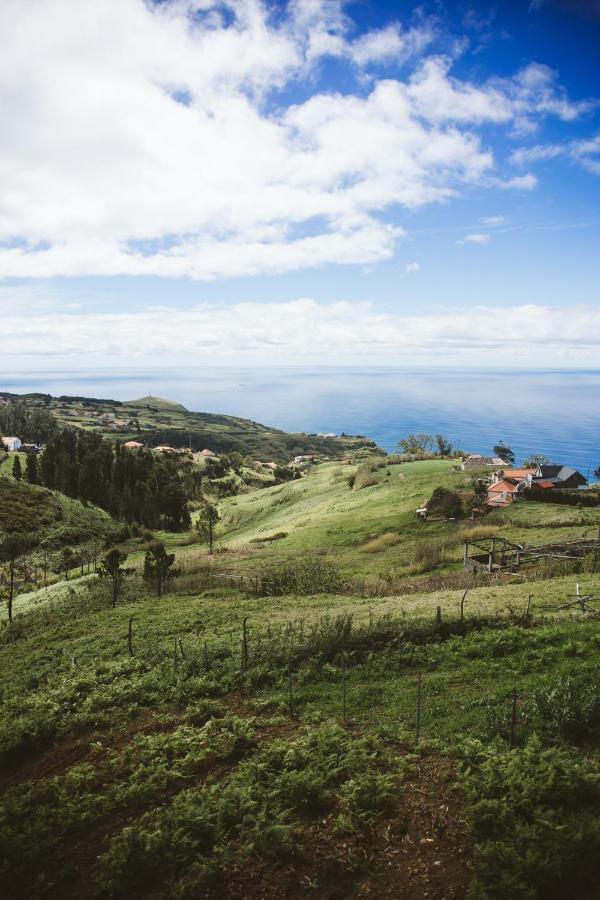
pixel 513 720
pixel 438 615
pixel 418 727
pixel 242 671
pixel 462 605
pixel 290 688
pixel 245 641
pixel 130 636
pixel 343 686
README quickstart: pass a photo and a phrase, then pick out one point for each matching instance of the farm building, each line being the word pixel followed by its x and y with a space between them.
pixel 505 491
pixel 561 478
pixel 133 445
pixel 12 444
pixel 207 452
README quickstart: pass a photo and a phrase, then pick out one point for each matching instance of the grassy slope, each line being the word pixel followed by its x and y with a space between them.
pixel 320 512
pixel 50 518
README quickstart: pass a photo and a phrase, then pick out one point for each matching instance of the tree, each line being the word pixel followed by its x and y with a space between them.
pixel 112 572
pixel 157 566
pixel 32 469
pixel 207 521
pixel 505 454
pixel 17 470
pixel 415 443
pixel 444 446
pixel 597 472
pixel 12 548
pixel 67 561
pixel 537 459
pixel 446 503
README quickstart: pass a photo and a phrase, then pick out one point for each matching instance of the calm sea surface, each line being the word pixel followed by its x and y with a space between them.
pixel 551 412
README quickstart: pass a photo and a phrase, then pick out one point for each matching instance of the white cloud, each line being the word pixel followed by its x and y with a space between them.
pixel 584 152
pixel 493 221
pixel 475 239
pixel 390 44
pixel 520 182
pixel 143 138
pixel 412 268
pixel 298 329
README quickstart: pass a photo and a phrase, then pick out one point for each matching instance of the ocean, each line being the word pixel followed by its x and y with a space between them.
pixel 556 413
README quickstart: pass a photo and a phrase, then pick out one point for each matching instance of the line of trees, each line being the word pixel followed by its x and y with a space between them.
pixel 133 486
pixel 424 443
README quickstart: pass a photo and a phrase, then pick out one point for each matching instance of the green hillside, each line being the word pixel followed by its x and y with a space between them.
pixel 49 519
pixel 375 529
pixel 154 421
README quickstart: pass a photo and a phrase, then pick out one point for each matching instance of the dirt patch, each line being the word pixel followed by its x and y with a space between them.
pixel 420 851
pixel 70 751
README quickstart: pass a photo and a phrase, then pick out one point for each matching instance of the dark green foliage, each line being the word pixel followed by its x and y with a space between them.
pixel 565 498
pixel 207 522
pixel 504 453
pixel 17 471
pixel 256 810
pixel 569 708
pixel 444 447
pixel 33 475
pixel 31 424
pixel 535 824
pixel 112 572
pixel 133 486
pixel 157 567
pixel 445 503
pixel 416 443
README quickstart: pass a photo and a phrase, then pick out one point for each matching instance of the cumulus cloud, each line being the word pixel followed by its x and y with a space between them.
pixel 475 239
pixel 412 268
pixel 151 138
pixel 297 329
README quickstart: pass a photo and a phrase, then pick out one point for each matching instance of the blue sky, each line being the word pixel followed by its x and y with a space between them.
pixel 313 182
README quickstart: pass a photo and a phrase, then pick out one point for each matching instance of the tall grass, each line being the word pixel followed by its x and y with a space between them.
pixel 382 542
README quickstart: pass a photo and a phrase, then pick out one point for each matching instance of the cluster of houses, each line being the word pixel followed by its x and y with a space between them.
pixel 507 484
pixel 166 449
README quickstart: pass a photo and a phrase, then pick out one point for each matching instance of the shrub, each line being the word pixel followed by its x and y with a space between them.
pixel 569 708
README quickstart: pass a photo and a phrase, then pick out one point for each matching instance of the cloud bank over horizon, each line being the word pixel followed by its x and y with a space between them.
pixel 301 331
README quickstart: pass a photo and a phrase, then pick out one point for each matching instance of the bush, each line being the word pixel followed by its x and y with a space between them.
pixel 569 708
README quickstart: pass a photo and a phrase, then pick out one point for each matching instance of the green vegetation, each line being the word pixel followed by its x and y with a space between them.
pixel 50 519
pixel 233 713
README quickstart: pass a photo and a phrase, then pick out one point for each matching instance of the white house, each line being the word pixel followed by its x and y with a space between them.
pixel 12 444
